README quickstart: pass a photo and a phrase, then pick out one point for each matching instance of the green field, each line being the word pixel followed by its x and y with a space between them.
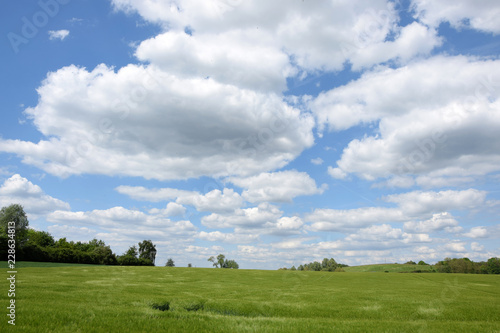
pixel 389 268
pixel 131 299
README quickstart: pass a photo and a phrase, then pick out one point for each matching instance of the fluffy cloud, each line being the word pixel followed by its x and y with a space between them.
pixel 434 121
pixel 255 217
pixel 441 221
pixel 218 201
pixel 477 232
pixel 316 35
pixel 154 195
pixel 82 234
pixel 480 15
pixel 217 236
pixel 225 57
pixel 160 126
pixel 417 204
pixel 172 209
pixel 277 186
pixel 36 203
pixel 58 34
pixel 317 161
pixel 125 222
pixel 339 220
pixel 376 233
pixel 476 247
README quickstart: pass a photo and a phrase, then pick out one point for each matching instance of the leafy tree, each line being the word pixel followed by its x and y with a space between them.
pixel 13 213
pixel 410 262
pixel 189 265
pixel 95 243
pixel 421 262
pixel 214 261
pixel 105 256
pixel 40 238
pixel 326 264
pixel 147 250
pixel 132 251
pixel 230 264
pixel 293 268
pixel 494 266
pixel 170 263
pixel 220 260
pixel 63 243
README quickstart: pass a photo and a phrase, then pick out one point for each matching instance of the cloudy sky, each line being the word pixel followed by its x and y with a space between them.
pixel 275 132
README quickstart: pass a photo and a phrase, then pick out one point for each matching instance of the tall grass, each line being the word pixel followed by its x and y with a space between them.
pixel 149 299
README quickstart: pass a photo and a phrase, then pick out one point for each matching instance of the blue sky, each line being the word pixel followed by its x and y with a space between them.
pixel 276 133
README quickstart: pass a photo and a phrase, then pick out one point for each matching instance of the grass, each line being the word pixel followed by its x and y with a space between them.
pixel 389 268
pixel 148 299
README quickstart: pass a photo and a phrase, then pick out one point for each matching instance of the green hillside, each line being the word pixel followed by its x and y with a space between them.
pixel 162 299
pixel 391 268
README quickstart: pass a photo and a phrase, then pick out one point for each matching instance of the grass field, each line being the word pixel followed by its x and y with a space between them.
pixel 158 299
pixel 389 268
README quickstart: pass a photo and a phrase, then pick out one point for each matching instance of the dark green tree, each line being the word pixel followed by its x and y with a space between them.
pixel 132 251
pixel 214 261
pixel 40 238
pixel 220 260
pixel 14 213
pixel 493 266
pixel 170 263
pixel 230 264
pixel 147 250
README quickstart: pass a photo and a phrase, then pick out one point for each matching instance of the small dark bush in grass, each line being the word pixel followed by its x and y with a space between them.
pixel 195 306
pixel 163 306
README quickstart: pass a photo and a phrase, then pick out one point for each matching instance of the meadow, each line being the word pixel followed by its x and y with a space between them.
pixel 76 298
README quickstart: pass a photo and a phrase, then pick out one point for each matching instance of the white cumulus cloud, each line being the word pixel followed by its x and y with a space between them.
pixel 58 34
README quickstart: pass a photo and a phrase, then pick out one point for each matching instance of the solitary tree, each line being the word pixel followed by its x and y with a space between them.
pixel 220 260
pixel 14 213
pixel 170 263
pixel 214 261
pixel 147 250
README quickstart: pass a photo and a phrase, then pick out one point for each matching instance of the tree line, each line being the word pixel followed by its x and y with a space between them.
pixel 467 266
pixel 34 245
pixel 448 265
pixel 221 262
pixel 327 265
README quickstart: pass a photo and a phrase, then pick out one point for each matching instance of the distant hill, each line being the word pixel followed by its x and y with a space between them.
pixel 391 268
